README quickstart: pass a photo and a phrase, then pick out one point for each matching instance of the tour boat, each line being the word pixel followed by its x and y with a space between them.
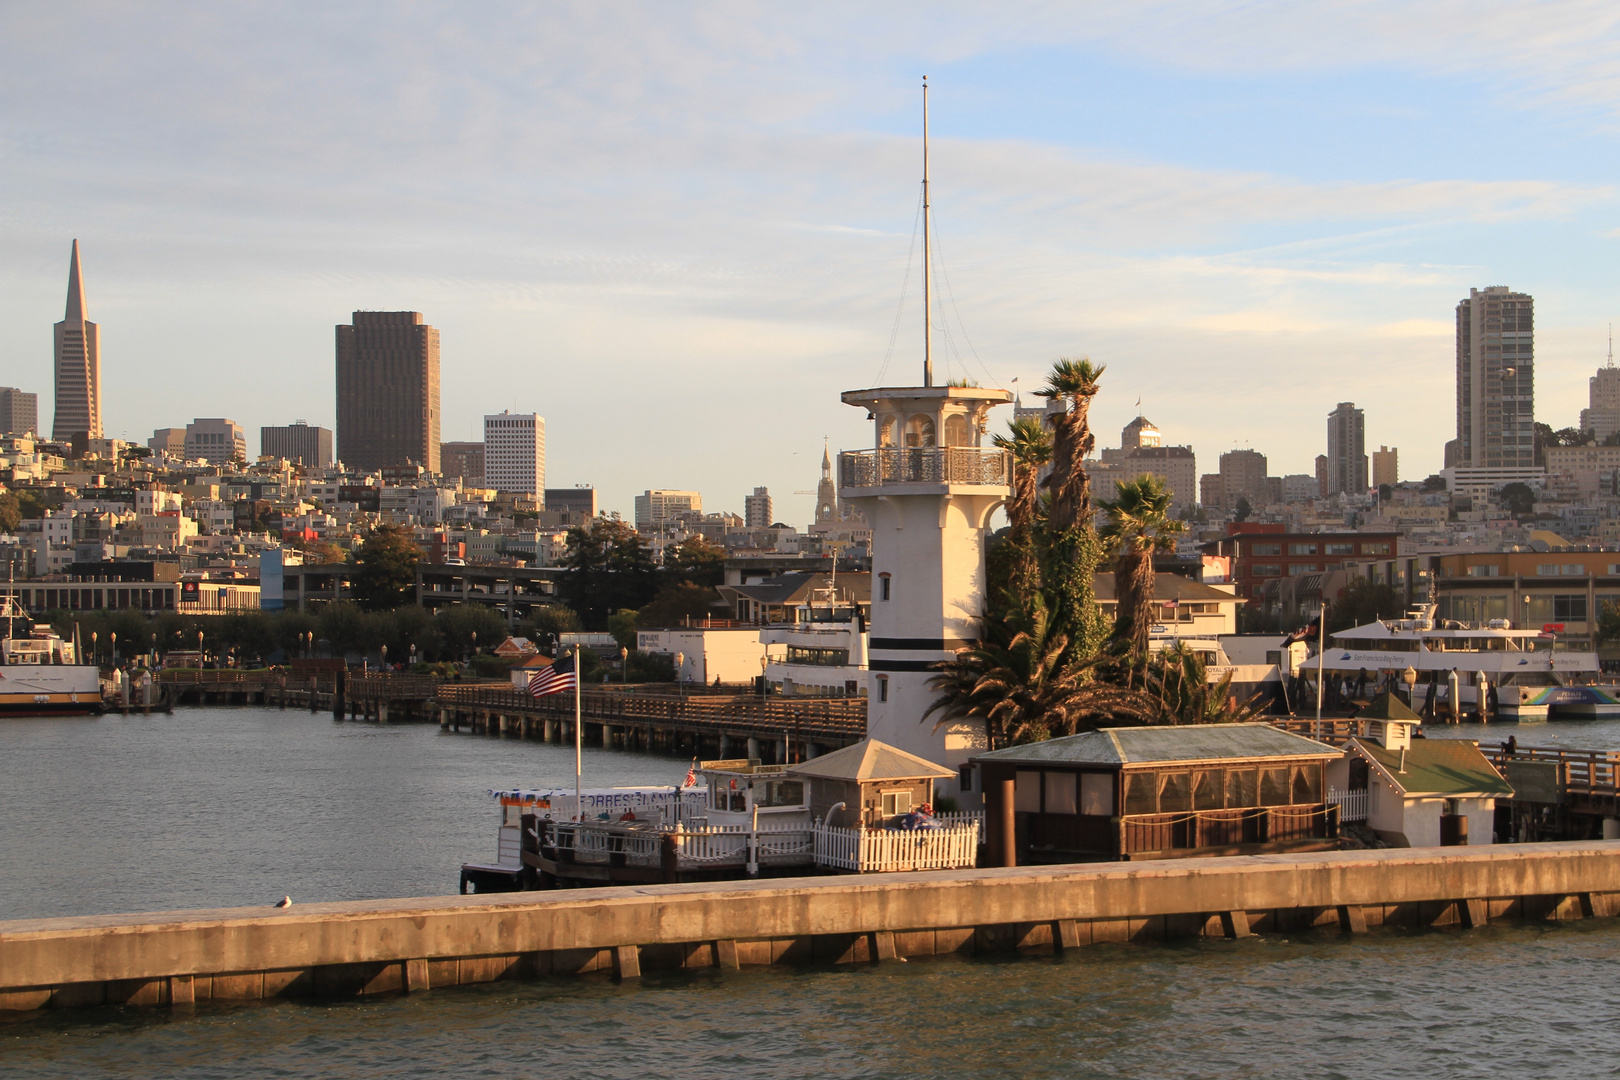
pixel 40 674
pixel 1531 677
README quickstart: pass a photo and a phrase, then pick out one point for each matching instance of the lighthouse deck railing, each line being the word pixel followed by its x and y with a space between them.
pixel 925 465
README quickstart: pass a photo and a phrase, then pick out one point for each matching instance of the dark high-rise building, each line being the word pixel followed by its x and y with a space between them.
pixel 1347 450
pixel 463 459
pixel 78 365
pixel 19 412
pixel 1496 397
pixel 388 391
pixel 298 442
pixel 577 500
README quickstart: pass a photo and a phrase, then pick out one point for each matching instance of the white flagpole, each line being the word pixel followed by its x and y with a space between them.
pixel 579 802
pixel 1321 659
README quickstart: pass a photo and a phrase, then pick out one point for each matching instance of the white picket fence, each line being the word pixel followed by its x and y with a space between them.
pixel 882 850
pixel 1352 804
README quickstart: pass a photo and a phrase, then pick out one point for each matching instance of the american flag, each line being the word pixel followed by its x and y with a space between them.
pixel 554 679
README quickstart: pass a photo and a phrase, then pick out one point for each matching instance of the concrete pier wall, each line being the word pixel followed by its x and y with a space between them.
pixel 415 944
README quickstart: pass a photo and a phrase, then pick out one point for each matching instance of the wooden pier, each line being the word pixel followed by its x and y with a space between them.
pixel 777 731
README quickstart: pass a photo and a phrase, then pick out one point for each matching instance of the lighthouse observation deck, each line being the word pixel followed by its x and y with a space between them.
pixel 902 465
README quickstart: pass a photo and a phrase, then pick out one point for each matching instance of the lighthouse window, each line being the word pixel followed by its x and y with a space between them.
pixel 883 689
pixel 920 431
pixel 883 586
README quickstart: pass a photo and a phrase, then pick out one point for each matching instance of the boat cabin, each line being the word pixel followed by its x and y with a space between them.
pixel 1412 791
pixel 1158 792
pixel 741 791
pixel 869 785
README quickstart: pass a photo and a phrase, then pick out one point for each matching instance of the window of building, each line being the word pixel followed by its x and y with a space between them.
pixel 1265 549
pixel 1484 571
pixel 883 586
pixel 883 688
pixel 896 802
pixel 1546 569
pixel 1265 570
pixel 964 777
pixel 1027 791
pixel 1341 549
pixel 1097 794
pixel 1570 607
pixel 1572 570
pixel 1375 549
pixel 1296 569
pixel 1061 792
pixel 1302 549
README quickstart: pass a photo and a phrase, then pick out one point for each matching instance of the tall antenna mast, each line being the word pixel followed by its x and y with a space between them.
pixel 1611 344
pixel 928 314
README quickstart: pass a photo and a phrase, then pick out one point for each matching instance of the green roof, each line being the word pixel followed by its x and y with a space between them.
pixel 1438 767
pixel 1146 745
pixel 1386 706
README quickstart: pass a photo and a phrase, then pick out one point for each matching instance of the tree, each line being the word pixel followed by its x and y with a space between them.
pixel 610 568
pixel 1608 624
pixel 385 569
pixel 10 512
pixel 622 625
pixel 1544 437
pixel 1243 509
pixel 697 561
pixel 1075 383
pixel 1139 526
pixel 1361 602
pixel 675 604
pixel 1517 498
pixel 464 627
pixel 549 623
pixel 1178 679
pixel 1434 483
pixel 1031 448
pixel 1024 684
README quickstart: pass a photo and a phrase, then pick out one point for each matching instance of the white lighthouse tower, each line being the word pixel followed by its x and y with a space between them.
pixel 927 487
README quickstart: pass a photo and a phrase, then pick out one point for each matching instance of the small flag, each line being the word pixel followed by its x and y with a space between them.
pixel 691 775
pixel 554 679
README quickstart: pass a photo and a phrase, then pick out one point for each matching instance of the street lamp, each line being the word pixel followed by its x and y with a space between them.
pixel 385 658
pixel 413 654
pixel 475 643
pixel 680 662
pixel 624 665
pixel 763 660
pixel 113 638
pixel 200 661
pixel 1409 677
pixel 95 653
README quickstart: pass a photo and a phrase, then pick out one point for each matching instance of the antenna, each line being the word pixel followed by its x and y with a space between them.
pixel 1611 344
pixel 928 314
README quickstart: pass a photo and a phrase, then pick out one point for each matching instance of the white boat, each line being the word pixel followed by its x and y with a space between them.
pixel 40 674
pixel 1531 676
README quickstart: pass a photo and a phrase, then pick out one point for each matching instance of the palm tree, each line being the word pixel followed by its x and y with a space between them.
pixel 1139 525
pixel 1075 383
pixel 1179 680
pixel 1031 447
pixel 1022 682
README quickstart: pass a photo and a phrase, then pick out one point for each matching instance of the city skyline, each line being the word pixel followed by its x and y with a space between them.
pixel 733 253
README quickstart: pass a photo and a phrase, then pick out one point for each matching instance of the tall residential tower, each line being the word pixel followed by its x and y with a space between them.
pixel 515 452
pixel 1496 380
pixel 78 365
pixel 388 391
pixel 1347 450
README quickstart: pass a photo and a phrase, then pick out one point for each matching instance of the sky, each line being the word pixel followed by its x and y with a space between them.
pixel 678 232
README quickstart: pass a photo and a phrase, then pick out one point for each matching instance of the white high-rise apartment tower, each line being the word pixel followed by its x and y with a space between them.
pixel 515 452
pixel 1496 395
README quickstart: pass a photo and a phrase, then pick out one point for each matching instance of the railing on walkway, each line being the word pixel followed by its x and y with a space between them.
pixel 1352 804
pixel 868 851
pixel 834 719
pixel 924 465
pixel 388 686
pixel 1591 774
pixel 710 847
pixel 1225 828
pixel 1335 731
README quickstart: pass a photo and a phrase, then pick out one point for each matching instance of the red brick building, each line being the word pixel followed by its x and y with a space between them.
pixel 1261 551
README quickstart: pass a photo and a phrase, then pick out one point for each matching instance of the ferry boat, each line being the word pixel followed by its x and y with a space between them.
pixel 1532 678
pixel 40 674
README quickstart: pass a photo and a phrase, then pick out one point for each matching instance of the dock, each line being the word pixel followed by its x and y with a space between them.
pixel 391 946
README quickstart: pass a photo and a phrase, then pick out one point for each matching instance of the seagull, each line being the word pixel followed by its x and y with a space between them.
pixel 285 901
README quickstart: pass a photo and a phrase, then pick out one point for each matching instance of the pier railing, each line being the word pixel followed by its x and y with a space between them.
pixel 1225 828
pixel 1585 775
pixel 833 719
pixel 388 686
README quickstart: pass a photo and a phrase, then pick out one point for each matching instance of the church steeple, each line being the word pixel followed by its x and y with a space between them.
pixel 75 297
pixel 826 491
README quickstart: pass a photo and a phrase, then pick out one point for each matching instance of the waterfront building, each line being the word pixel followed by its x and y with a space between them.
pixel 19 412
pixel 515 452
pixel 1263 552
pixel 1155 792
pixel 1496 379
pixel 216 440
pixel 298 442
pixel 1347 452
pixel 388 391
pixel 574 500
pixel 1416 793
pixel 660 508
pixel 462 459
pixel 78 365
pixel 757 510
pixel 1386 466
